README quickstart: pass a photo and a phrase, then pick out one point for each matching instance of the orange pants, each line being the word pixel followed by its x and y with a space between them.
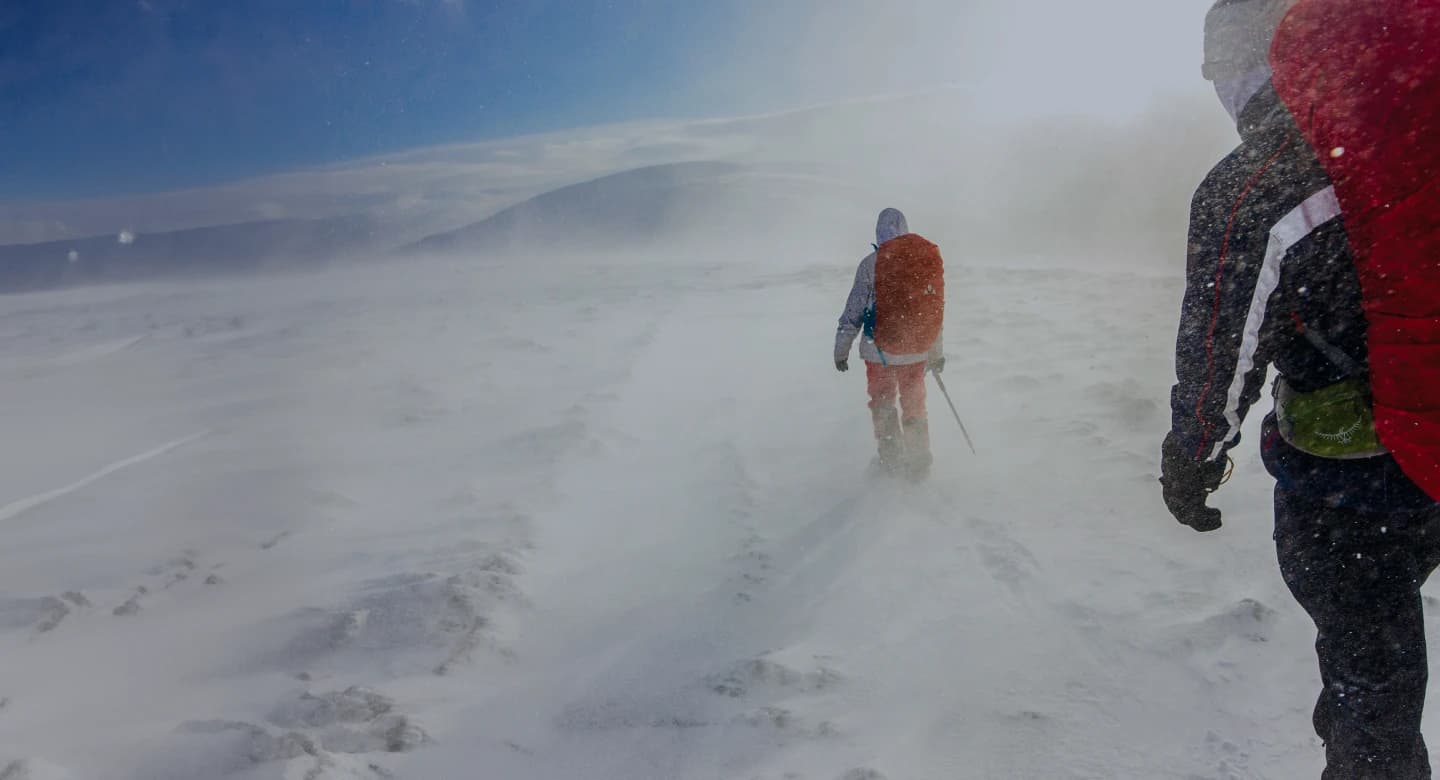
pixel 886 383
pixel 902 446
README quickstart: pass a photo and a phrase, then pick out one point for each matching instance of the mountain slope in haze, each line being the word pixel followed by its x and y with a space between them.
pixel 606 212
pixel 1113 192
pixel 222 249
pixel 712 201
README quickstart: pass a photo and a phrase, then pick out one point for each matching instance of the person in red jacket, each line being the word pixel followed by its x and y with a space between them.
pixel 1278 276
pixel 898 304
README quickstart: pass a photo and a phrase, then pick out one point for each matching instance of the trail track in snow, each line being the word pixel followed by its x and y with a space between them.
pixel 19 507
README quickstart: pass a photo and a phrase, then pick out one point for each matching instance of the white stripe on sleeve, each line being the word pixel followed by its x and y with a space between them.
pixel 1305 219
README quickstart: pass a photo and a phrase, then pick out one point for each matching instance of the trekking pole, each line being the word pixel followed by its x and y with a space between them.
pixel 946 393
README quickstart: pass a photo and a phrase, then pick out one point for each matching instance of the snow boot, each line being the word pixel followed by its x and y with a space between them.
pixel 890 458
pixel 917 449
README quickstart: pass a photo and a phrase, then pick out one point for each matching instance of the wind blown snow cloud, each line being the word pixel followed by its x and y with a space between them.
pixel 1099 185
pixel 1106 58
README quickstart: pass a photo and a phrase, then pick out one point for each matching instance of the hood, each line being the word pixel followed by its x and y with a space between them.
pixel 1236 93
pixel 1238 34
pixel 890 225
pixel 1237 48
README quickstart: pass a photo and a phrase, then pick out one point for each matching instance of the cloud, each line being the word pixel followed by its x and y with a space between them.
pixel 1098 57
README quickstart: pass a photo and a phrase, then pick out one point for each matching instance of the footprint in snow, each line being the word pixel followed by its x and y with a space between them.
pixel 1008 561
pixel 755 565
pixel 175 570
pixel 131 606
pixel 43 614
pixel 1231 761
pixel 440 621
pixel 763 676
pixel 331 735
pixel 355 720
pixel 1247 620
pixel 786 723
pixel 166 575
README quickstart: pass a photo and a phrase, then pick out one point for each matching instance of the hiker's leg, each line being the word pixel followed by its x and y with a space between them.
pixel 883 387
pixel 911 380
pixel 1358 576
pixel 914 419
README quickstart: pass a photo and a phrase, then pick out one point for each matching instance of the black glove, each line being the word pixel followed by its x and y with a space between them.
pixel 1187 482
pixel 937 365
pixel 842 365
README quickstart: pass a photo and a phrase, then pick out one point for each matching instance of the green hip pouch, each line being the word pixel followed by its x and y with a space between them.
pixel 1335 421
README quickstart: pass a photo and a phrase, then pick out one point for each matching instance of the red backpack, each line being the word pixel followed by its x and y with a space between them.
pixel 909 295
pixel 1362 79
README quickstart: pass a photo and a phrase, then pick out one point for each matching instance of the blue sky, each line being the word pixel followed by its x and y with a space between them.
pixel 103 97
pixel 114 97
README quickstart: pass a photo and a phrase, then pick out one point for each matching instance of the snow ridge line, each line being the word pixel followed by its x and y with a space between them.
pixel 17 508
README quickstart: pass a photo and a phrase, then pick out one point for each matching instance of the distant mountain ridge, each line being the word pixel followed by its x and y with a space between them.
pixel 222 249
pixel 611 211
pixel 606 212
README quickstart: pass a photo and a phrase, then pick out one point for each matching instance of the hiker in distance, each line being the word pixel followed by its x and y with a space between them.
pixel 1279 273
pixel 897 307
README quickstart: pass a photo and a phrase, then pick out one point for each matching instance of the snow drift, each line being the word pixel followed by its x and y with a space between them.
pixel 597 509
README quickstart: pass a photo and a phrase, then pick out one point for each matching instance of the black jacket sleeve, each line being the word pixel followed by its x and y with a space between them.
pixel 1220 369
pixel 1269 273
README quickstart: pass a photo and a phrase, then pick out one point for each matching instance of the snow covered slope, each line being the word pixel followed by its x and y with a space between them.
pixel 605 517
pixel 610 211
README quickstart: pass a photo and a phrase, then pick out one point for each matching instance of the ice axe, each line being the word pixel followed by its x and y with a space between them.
pixel 946 393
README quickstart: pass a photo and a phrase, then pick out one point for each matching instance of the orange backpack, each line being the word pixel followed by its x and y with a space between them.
pixel 909 295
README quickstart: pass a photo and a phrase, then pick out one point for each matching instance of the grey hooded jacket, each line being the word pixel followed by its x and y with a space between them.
pixel 862 299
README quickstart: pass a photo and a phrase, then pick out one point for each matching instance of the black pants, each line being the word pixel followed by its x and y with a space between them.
pixel 1359 576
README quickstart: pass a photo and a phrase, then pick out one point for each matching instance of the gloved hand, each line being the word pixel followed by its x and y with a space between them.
pixel 1187 482
pixel 842 365
pixel 936 365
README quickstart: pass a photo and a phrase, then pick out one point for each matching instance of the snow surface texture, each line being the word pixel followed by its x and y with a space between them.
pixel 605 518
pixel 555 517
